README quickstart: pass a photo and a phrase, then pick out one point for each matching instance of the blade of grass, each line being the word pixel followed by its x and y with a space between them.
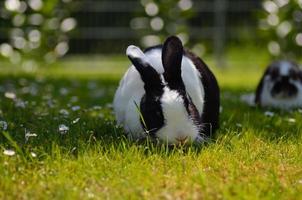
pixel 14 144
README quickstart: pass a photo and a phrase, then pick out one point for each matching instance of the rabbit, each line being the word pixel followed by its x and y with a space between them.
pixel 280 86
pixel 169 94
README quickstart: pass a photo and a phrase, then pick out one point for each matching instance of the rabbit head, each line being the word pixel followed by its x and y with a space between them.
pixel 281 85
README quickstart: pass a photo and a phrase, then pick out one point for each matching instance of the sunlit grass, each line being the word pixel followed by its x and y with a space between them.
pixel 252 156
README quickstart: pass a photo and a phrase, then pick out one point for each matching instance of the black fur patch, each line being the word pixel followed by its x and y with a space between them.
pixel 172 53
pixel 150 77
pixel 193 112
pixel 210 116
pixel 285 88
pixel 260 88
pixel 150 106
pixel 151 110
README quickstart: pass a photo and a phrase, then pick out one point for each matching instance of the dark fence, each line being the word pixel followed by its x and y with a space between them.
pixel 103 26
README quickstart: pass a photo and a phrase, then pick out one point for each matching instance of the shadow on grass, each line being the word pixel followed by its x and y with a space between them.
pixel 73 114
pixel 35 108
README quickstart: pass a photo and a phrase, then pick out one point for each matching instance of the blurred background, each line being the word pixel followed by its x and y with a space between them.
pixel 36 31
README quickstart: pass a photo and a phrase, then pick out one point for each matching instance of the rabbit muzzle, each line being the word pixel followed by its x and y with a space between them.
pixel 284 88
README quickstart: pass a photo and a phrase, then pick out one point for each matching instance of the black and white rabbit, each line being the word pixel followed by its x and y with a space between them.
pixel 280 86
pixel 168 93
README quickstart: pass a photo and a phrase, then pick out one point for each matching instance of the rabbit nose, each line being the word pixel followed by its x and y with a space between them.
pixel 182 140
pixel 285 78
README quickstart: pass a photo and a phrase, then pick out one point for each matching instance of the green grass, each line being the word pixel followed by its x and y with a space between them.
pixel 252 156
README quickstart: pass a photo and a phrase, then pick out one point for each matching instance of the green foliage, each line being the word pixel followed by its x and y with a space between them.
pixel 36 30
pixel 281 25
pixel 163 18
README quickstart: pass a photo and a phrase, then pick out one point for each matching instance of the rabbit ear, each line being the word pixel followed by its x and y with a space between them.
pixel 172 53
pixel 135 52
pixel 148 74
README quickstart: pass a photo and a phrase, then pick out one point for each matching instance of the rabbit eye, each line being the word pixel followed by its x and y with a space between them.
pixel 274 73
pixel 293 74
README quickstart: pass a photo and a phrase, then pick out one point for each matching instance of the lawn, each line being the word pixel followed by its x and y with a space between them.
pixel 59 139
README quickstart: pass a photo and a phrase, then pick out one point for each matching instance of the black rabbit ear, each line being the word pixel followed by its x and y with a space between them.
pixel 148 74
pixel 172 53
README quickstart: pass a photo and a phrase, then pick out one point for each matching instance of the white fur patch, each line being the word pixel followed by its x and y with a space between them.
pixel 135 52
pixel 154 58
pixel 284 68
pixel 130 90
pixel 178 125
pixel 191 78
pixel 268 100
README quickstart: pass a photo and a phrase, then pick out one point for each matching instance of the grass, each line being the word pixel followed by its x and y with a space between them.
pixel 252 156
